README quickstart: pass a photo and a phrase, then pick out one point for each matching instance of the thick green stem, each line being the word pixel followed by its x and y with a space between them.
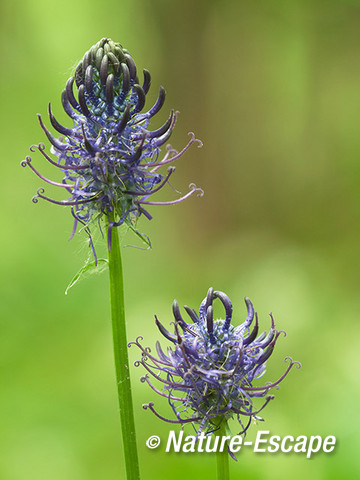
pixel 122 360
pixel 222 458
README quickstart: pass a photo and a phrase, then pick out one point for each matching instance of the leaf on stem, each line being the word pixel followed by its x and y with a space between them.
pixel 87 270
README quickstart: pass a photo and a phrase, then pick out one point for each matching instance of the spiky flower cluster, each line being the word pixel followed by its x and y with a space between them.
pixel 208 375
pixel 109 158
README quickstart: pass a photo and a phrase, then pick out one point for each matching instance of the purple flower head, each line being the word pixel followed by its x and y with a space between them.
pixel 109 158
pixel 210 372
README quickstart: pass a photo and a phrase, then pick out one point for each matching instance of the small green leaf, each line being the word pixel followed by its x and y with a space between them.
pixel 144 238
pixel 87 270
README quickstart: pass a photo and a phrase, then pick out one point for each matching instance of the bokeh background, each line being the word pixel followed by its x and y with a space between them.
pixel 273 90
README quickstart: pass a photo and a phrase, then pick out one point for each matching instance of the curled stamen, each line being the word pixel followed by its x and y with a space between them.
pixel 292 362
pixel 193 189
pixel 145 378
pixel 181 421
pixel 137 342
pixel 27 161
pixel 274 384
pixel 176 156
pixel 162 380
pixel 41 148
pixel 146 353
pixel 40 192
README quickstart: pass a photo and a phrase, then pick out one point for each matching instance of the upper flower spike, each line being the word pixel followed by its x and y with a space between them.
pixel 208 373
pixel 109 157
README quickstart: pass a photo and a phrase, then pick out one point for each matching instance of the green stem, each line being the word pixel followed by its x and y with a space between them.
pixel 122 359
pixel 222 458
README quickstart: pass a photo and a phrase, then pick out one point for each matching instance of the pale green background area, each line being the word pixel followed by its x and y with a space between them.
pixel 273 90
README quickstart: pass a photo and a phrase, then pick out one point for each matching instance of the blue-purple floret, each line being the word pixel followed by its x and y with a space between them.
pixel 210 372
pixel 109 158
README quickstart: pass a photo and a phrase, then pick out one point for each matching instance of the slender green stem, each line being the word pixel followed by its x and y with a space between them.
pixel 122 359
pixel 222 458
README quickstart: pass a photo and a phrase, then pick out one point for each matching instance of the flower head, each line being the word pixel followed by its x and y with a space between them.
pixel 210 372
pixel 109 158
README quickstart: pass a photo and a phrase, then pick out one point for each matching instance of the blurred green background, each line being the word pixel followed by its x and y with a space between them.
pixel 273 90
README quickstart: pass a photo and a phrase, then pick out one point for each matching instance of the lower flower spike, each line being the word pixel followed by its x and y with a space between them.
pixel 211 369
